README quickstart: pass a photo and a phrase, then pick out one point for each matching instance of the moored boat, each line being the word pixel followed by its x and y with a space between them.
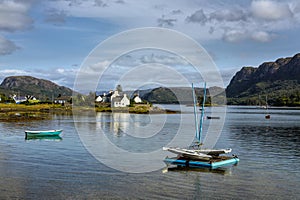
pixel 44 137
pixel 212 117
pixel 43 133
pixel 197 156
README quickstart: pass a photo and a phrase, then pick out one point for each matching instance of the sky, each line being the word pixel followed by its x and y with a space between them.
pixel 51 39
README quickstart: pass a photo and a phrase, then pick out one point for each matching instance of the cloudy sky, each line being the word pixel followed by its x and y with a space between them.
pixel 51 38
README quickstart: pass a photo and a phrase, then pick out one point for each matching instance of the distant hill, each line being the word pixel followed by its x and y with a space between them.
pixel 28 85
pixel 279 81
pixel 165 95
pixel 183 95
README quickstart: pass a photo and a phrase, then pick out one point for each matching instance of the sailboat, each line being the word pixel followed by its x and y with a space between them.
pixel 267 116
pixel 198 157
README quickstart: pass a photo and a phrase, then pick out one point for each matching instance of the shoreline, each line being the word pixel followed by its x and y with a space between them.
pixel 22 112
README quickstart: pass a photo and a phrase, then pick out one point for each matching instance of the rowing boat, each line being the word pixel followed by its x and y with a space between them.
pixel 43 133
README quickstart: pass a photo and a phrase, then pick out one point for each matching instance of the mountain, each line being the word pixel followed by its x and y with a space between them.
pixel 279 81
pixel 28 85
pixel 183 95
pixel 164 95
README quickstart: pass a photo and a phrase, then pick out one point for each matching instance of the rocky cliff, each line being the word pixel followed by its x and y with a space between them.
pixel 280 79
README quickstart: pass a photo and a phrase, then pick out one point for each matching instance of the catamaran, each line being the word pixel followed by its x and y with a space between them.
pixel 196 156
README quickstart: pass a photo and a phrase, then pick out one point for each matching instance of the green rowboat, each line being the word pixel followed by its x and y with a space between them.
pixel 43 133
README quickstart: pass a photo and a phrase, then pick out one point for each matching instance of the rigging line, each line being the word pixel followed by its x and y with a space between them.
pixel 195 111
pixel 202 114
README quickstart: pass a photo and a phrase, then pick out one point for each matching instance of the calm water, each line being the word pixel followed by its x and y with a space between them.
pixel 269 167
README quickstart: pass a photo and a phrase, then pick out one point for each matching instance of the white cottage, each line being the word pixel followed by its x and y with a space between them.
pixel 114 95
pixel 137 99
pixel 19 99
pixel 99 99
pixel 120 101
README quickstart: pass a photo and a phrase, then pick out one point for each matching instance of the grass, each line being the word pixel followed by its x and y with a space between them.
pixel 24 107
pixel 14 112
pixel 17 112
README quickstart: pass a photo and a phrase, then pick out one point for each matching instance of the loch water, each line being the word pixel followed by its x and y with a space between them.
pixel 63 168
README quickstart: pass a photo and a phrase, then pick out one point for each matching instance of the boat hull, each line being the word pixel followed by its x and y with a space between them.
pixel 212 164
pixel 43 133
pixel 43 137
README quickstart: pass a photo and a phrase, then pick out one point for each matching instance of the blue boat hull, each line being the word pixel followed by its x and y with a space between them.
pixel 213 164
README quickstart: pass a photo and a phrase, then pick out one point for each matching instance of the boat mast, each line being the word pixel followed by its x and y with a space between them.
pixel 202 114
pixel 195 110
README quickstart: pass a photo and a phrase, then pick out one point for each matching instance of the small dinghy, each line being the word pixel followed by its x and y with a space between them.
pixel 43 133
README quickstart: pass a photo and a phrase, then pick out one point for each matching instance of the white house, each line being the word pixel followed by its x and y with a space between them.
pixel 120 101
pixel 18 99
pixel 137 99
pixel 62 100
pixel 114 94
pixel 99 99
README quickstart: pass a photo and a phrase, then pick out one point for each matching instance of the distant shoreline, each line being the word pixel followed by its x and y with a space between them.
pixel 19 112
pixel 22 112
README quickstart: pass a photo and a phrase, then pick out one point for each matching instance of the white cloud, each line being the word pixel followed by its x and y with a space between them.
pixel 262 36
pixel 203 20
pixel 270 10
pixel 11 72
pixel 60 70
pixel 7 46
pixel 163 59
pixel 14 15
pixel 234 35
pixel 229 15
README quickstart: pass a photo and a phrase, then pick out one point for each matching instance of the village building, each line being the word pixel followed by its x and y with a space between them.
pixel 114 95
pixel 62 100
pixel 19 99
pixel 98 99
pixel 32 99
pixel 120 101
pixel 115 98
pixel 137 99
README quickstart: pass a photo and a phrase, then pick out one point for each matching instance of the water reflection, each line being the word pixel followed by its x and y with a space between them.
pixel 138 133
pixel 222 171
pixel 46 138
pixel 268 168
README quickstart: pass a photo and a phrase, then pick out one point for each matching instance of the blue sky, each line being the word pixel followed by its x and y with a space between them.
pixel 51 38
